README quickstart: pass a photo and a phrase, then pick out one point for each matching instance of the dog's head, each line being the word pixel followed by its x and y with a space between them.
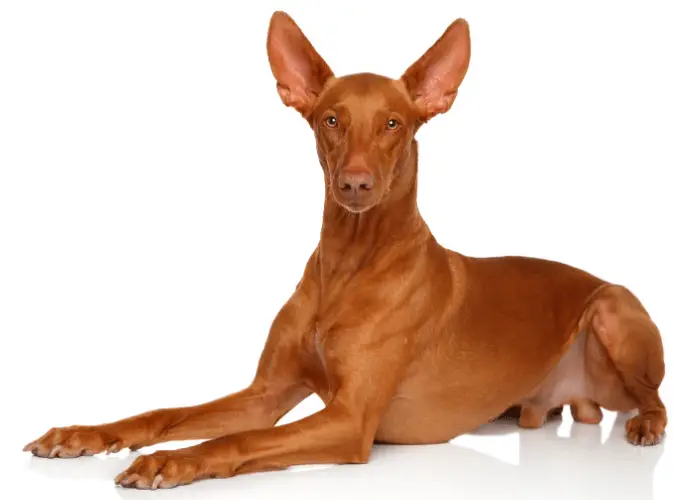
pixel 364 123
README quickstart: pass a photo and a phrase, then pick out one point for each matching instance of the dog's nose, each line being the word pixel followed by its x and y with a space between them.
pixel 355 181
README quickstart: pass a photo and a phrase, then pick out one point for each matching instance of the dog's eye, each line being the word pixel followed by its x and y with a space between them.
pixel 331 121
pixel 392 124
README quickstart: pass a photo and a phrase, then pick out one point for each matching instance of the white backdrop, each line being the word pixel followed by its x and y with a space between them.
pixel 150 228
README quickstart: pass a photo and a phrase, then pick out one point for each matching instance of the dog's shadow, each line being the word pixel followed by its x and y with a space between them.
pixel 547 465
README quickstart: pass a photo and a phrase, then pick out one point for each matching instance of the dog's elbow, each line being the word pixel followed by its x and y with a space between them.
pixel 361 452
pixel 363 442
pixel 354 439
pixel 356 451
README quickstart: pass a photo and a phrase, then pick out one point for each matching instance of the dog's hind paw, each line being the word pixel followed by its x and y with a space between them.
pixel 644 430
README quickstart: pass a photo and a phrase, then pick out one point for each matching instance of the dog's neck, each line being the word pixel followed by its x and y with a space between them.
pixel 350 240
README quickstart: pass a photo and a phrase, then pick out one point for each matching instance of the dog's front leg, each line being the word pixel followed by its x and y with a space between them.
pixel 364 378
pixel 277 387
pixel 334 435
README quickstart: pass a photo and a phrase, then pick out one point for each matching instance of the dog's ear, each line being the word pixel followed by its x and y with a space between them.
pixel 300 72
pixel 432 81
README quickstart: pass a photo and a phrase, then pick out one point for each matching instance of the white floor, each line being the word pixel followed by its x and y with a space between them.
pixel 563 460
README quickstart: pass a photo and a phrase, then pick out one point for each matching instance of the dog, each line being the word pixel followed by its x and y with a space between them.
pixel 404 340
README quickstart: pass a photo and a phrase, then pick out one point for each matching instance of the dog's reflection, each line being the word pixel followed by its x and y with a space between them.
pixel 548 466
pixel 581 466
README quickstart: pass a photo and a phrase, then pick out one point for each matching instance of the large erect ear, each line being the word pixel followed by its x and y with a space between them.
pixel 300 72
pixel 432 81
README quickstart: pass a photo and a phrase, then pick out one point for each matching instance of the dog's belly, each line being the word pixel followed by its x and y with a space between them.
pixel 443 398
pixel 436 406
pixel 585 372
pixel 425 420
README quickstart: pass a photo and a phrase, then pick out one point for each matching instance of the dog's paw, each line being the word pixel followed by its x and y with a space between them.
pixel 644 430
pixel 163 469
pixel 75 441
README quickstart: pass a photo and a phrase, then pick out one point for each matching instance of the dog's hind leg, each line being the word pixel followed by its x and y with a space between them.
pixel 633 343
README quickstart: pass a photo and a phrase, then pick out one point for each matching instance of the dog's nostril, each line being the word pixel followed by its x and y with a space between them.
pixel 354 182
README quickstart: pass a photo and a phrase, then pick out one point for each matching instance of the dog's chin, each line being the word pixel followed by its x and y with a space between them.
pixel 356 207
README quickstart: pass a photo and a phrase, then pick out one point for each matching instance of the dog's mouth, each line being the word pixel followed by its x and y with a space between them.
pixel 357 208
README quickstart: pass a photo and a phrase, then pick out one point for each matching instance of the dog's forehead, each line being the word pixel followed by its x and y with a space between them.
pixel 366 91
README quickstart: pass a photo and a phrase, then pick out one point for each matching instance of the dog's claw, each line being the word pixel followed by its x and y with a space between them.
pixel 55 451
pixel 129 480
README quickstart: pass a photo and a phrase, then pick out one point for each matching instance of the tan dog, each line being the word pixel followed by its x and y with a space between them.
pixel 404 340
